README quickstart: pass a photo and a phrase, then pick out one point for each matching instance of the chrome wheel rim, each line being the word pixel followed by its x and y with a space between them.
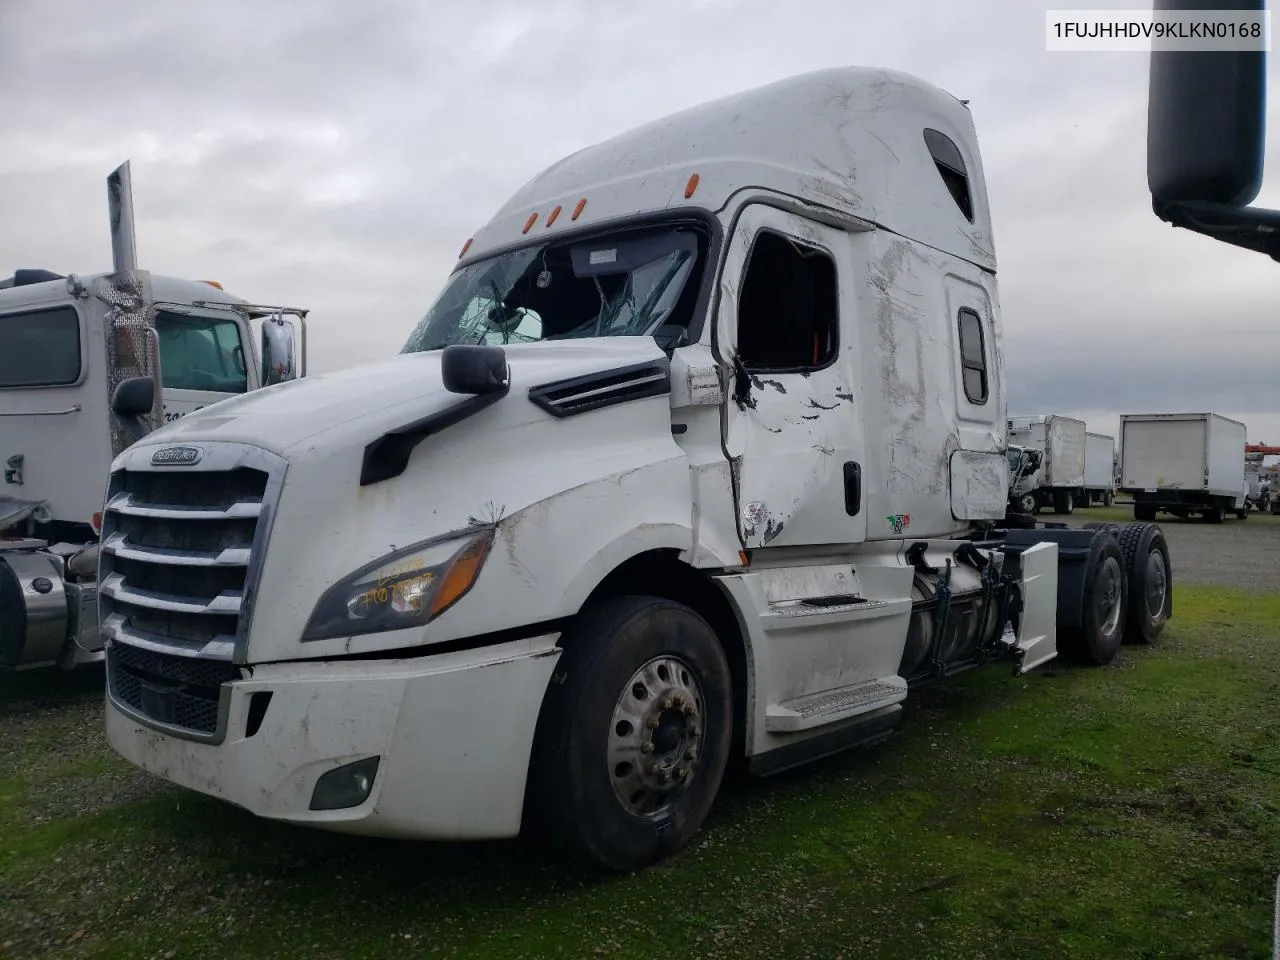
pixel 656 735
pixel 1108 599
pixel 1157 583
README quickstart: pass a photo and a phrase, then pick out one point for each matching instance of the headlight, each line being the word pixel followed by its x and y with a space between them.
pixel 407 588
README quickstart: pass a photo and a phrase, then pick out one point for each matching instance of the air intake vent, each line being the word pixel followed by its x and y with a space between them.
pixel 565 398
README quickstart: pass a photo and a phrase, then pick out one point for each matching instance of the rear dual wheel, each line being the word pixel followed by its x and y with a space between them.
pixel 634 735
pixel 1146 557
pixel 1104 604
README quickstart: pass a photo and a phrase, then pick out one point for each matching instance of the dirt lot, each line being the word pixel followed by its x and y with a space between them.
pixel 1244 554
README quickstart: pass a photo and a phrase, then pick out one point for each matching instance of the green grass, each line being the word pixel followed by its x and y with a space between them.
pixel 1122 513
pixel 1130 811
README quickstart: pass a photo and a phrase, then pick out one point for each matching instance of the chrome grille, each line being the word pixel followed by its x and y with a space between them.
pixel 181 547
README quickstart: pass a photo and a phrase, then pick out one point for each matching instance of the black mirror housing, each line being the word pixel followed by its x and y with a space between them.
pixel 134 397
pixel 474 369
pixel 1206 118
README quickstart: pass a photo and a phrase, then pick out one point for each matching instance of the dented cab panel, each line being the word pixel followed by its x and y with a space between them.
pixel 937 458
pixel 793 422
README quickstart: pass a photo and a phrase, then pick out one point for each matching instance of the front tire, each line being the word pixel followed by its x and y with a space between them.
pixel 634 736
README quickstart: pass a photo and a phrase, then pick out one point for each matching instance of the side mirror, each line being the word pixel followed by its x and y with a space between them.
pixel 131 401
pixel 277 351
pixel 474 369
pixel 134 397
pixel 1206 117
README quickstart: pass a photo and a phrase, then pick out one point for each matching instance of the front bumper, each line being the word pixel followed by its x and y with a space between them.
pixel 454 733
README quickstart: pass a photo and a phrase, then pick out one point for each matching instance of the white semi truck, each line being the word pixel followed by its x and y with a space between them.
pixel 1183 464
pixel 1061 477
pixel 699 454
pixel 66 344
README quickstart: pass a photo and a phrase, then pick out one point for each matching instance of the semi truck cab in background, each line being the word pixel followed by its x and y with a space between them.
pixel 67 343
pixel 700 453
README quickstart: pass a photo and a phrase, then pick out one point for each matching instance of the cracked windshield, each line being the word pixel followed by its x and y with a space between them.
pixel 620 286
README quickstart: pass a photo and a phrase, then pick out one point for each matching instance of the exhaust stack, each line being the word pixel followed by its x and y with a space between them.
pixel 124 251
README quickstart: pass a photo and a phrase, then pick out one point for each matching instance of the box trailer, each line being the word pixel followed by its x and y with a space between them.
pixel 1099 471
pixel 1183 464
pixel 1062 442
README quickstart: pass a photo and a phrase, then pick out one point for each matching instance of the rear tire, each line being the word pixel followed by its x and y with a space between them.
pixel 13 618
pixel 1144 512
pixel 1063 502
pixel 1146 561
pixel 1108 498
pixel 634 735
pixel 1104 605
pixel 1103 525
pixel 1215 514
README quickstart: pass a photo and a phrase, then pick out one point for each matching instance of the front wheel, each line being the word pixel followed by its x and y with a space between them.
pixel 634 735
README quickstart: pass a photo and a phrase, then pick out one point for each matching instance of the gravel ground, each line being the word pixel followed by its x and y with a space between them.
pixel 1244 554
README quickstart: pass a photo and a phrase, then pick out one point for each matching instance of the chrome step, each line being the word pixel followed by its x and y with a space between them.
pixel 828 706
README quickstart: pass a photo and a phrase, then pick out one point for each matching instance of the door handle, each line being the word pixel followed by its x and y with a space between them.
pixel 852 488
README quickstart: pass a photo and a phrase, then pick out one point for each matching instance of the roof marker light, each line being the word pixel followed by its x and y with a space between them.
pixel 577 211
pixel 213 283
pixel 551 217
pixel 528 224
pixel 465 247
pixel 691 186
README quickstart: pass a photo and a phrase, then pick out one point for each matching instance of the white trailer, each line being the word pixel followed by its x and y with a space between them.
pixel 1061 440
pixel 67 343
pixel 699 453
pixel 1099 471
pixel 1183 464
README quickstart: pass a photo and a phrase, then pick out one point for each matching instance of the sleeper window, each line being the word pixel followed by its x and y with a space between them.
pixel 973 357
pixel 787 312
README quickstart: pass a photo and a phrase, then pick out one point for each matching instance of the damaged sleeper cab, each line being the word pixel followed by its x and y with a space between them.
pixel 699 454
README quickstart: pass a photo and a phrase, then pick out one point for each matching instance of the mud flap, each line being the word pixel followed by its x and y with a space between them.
pixel 1037 637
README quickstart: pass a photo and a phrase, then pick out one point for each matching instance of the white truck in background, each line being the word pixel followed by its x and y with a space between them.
pixel 67 343
pixel 1061 441
pixel 699 453
pixel 1099 471
pixel 1183 464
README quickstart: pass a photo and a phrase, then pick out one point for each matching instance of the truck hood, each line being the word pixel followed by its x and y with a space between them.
pixel 385 394
pixel 611 477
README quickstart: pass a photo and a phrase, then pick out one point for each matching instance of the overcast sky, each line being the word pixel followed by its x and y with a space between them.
pixel 335 155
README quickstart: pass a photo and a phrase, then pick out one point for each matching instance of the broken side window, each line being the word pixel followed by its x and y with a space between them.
pixel 788 306
pixel 973 356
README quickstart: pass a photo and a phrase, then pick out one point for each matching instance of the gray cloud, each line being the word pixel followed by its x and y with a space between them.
pixel 337 154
